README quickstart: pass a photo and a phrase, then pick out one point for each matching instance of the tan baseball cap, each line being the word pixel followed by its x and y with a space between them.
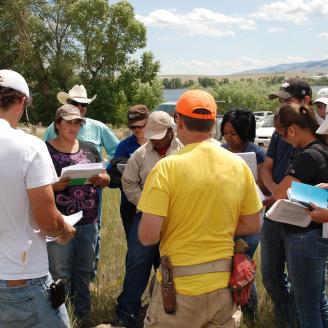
pixel 69 113
pixel 157 124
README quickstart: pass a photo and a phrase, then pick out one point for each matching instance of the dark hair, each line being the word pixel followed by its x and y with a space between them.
pixel 243 121
pixel 59 119
pixel 300 115
pixel 9 97
pixel 196 124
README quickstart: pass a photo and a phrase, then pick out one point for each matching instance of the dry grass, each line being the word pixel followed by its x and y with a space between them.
pixel 237 76
pixel 111 268
pixel 110 275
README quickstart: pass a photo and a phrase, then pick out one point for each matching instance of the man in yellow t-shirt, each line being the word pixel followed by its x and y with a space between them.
pixel 194 203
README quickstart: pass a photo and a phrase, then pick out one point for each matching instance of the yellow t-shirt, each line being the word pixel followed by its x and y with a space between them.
pixel 201 191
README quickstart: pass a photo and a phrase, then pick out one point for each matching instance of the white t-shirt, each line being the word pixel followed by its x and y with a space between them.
pixel 25 163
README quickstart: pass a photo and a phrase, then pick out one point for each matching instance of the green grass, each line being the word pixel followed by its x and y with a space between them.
pixel 112 259
pixel 111 268
pixel 108 283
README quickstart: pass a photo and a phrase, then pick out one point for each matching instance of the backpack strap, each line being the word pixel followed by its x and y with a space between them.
pixel 322 151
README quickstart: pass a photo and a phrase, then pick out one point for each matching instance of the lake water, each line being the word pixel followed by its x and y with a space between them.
pixel 174 94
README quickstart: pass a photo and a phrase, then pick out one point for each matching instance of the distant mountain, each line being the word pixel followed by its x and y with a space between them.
pixel 312 67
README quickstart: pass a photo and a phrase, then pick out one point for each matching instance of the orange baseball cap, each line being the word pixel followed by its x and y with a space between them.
pixel 196 99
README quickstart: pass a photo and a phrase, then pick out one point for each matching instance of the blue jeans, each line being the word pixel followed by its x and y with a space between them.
pixel 306 262
pixel 249 310
pixel 28 306
pixel 94 271
pixel 139 262
pixel 128 211
pixel 275 281
pixel 74 262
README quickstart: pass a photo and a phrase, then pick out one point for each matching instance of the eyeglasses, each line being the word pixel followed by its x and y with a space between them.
pixel 76 104
pixel 137 127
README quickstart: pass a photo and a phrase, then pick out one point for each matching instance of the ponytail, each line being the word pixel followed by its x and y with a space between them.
pixel 300 115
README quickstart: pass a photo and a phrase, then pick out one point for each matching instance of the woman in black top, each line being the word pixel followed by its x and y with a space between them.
pixel 306 250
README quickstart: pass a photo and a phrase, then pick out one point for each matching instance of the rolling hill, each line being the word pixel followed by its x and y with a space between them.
pixel 318 67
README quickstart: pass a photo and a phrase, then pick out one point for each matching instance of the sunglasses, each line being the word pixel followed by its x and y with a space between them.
pixel 76 104
pixel 137 127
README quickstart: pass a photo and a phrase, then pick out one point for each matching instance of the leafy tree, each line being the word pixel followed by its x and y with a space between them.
pixel 206 82
pixel 244 94
pixel 56 44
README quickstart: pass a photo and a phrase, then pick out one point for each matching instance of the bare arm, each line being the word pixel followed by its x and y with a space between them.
pixel 318 214
pixel 150 227
pixel 61 184
pixel 266 174
pixel 259 182
pixel 281 189
pixel 101 180
pixel 248 224
pixel 46 214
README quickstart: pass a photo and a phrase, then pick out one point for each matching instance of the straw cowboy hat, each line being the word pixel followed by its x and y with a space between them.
pixel 77 93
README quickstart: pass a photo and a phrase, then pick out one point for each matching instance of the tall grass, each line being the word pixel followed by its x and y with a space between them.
pixel 110 276
pixel 109 280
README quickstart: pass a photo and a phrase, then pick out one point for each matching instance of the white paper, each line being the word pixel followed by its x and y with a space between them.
pixel 250 159
pixel 286 211
pixel 80 171
pixel 262 197
pixel 74 218
pixel 70 219
pixel 325 230
pixel 121 167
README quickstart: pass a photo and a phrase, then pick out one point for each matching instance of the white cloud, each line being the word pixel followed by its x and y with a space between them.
pixel 292 11
pixel 319 6
pixel 276 30
pixel 199 21
pixel 323 35
pixel 220 67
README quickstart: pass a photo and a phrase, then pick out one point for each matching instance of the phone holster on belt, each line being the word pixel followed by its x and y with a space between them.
pixel 57 293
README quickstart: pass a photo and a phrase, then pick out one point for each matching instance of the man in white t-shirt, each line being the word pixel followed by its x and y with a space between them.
pixel 27 214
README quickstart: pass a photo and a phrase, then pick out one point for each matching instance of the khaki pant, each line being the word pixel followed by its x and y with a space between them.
pixel 209 310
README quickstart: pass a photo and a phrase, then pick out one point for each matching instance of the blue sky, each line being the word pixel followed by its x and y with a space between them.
pixel 216 37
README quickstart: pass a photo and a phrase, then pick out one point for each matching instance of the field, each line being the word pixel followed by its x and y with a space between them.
pixel 110 276
pixel 111 268
pixel 238 76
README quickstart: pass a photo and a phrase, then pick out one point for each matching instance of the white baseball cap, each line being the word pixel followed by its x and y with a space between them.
pixel 322 96
pixel 13 80
pixel 157 124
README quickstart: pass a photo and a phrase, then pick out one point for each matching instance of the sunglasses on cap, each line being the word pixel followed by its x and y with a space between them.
pixel 76 104
pixel 137 127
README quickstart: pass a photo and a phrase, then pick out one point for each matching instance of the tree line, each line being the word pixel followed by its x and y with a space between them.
pixel 56 44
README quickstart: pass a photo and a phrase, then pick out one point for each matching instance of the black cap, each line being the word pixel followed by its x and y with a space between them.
pixel 293 87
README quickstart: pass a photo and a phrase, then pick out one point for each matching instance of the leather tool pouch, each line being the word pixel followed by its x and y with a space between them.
pixel 167 285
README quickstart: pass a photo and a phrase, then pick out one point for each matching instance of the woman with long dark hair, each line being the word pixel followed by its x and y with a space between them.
pixel 238 129
pixel 306 250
